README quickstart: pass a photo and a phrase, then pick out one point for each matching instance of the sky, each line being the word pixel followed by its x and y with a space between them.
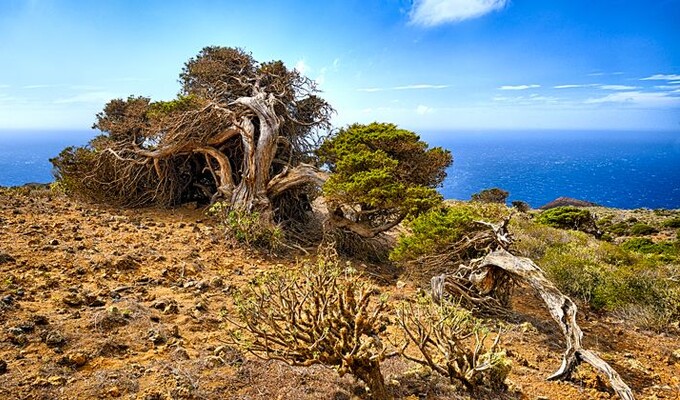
pixel 431 65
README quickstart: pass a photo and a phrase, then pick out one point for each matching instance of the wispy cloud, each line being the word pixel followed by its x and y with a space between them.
pixel 302 67
pixel 533 99
pixel 39 86
pixel 519 87
pixel 596 85
pixel 575 86
pixel 3 86
pixel 662 77
pixel 637 98
pixel 436 12
pixel 617 87
pixel 405 87
pixel 422 110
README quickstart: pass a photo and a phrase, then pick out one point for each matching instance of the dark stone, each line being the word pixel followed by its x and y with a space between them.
pixel 568 201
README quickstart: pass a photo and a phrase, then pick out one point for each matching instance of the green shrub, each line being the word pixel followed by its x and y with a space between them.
pixel 631 280
pixel 433 231
pixel 618 229
pixel 672 222
pixel 247 228
pixel 521 206
pixel 642 229
pixel 569 217
pixel 666 251
pixel 493 195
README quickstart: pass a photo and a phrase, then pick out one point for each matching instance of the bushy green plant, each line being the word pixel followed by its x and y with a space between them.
pixel 380 175
pixel 665 250
pixel 433 231
pixel 641 229
pixel 630 279
pixel 246 228
pixel 672 222
pixel 569 217
pixel 493 195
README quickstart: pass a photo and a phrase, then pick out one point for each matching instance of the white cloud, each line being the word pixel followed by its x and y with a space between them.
pixel 420 86
pixel 302 67
pixel 575 86
pixel 636 98
pixel 405 87
pixel 662 77
pixel 422 110
pixel 597 85
pixel 519 87
pixel 533 100
pixel 2 86
pixel 38 86
pixel 321 78
pixel 617 87
pixel 437 12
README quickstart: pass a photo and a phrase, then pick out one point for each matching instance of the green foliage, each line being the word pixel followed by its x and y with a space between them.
pixel 630 279
pixel 158 109
pixel 432 232
pixel 672 222
pixel 493 195
pixel 521 206
pixel 666 251
pixel 382 172
pixel 247 228
pixel 568 217
pixel 642 229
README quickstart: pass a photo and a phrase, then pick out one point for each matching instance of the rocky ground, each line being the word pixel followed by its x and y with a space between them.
pixel 99 302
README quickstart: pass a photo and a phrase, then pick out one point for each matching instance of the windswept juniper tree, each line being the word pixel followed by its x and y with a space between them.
pixel 240 131
pixel 380 175
pixel 247 134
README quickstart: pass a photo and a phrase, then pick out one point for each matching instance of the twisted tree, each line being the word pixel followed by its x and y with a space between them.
pixel 239 131
pixel 381 174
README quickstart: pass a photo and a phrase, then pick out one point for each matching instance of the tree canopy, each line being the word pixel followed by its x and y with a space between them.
pixel 247 134
pixel 239 131
pixel 380 174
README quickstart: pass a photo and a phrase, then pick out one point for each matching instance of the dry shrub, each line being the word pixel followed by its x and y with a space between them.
pixel 320 314
pixel 453 343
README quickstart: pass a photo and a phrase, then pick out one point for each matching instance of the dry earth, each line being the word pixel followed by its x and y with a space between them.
pixel 99 302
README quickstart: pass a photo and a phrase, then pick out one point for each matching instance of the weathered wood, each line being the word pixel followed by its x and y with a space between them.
pixel 563 311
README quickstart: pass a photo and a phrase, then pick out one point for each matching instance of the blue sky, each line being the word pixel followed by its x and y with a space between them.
pixel 425 64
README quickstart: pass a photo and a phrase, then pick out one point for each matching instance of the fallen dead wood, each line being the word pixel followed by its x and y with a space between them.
pixel 561 308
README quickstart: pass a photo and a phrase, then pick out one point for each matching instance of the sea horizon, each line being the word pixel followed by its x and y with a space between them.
pixel 625 169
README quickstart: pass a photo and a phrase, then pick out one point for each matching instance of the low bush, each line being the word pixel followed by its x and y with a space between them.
pixel 493 195
pixel 641 229
pixel 247 228
pixel 454 344
pixel 521 206
pixel 569 218
pixel 672 222
pixel 435 230
pixel 633 280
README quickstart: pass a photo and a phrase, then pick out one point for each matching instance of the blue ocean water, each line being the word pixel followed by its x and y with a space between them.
pixel 616 169
pixel 25 154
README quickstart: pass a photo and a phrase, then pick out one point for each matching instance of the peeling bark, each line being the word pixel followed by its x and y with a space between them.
pixel 563 311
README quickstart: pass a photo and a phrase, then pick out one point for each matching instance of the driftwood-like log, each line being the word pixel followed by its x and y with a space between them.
pixel 563 311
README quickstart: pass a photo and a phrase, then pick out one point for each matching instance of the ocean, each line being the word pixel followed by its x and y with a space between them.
pixel 615 169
